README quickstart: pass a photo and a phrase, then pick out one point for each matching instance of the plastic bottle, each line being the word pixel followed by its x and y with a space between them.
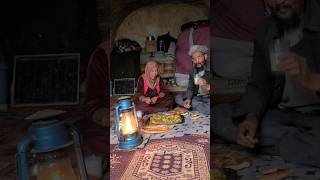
pixel 162 46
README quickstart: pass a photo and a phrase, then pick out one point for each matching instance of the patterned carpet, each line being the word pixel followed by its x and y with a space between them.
pixel 182 158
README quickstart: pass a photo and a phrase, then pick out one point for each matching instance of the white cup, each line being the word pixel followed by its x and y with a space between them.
pixel 196 78
pixel 139 114
pixel 278 48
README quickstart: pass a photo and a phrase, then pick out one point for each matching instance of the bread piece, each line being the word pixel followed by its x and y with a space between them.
pixel 231 159
pixel 268 171
pixel 195 117
pixel 185 114
pixel 150 129
pixel 277 175
pixel 178 111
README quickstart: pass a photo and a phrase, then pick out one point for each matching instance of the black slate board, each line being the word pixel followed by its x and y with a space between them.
pixel 125 86
pixel 46 80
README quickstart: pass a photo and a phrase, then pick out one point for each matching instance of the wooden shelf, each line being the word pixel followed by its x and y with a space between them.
pixel 167 75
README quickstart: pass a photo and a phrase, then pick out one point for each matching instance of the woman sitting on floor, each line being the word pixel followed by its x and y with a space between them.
pixel 151 96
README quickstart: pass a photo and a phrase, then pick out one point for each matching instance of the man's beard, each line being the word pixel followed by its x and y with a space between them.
pixel 199 67
pixel 288 23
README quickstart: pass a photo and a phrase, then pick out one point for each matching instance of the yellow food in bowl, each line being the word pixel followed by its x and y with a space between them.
pixel 161 118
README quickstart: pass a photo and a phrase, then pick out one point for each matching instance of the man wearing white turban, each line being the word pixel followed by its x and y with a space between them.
pixel 198 92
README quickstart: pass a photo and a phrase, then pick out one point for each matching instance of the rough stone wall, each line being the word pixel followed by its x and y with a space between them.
pixel 120 9
pixel 157 20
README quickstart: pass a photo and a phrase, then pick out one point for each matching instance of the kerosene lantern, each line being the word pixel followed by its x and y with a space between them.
pixel 127 124
pixel 51 151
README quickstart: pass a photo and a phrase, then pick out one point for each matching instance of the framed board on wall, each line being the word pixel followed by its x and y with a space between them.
pixel 124 86
pixel 47 79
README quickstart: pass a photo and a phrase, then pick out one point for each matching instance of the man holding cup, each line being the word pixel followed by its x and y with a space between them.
pixel 280 110
pixel 198 92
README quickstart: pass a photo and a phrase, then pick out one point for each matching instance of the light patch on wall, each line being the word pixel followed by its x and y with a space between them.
pixel 158 20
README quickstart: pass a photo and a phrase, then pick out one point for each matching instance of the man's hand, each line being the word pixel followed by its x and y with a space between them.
pixel 147 100
pixel 246 132
pixel 296 67
pixel 203 84
pixel 206 87
pixel 293 65
pixel 187 103
pixel 154 100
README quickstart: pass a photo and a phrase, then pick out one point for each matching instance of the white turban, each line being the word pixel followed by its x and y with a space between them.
pixel 197 48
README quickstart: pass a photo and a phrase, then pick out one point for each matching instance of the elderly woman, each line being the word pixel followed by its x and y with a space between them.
pixel 151 95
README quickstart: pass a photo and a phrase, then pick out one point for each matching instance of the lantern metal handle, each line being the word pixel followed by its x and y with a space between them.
pixel 76 137
pixel 117 121
pixel 22 158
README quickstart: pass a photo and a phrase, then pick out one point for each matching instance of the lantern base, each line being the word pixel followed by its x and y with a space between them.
pixel 130 142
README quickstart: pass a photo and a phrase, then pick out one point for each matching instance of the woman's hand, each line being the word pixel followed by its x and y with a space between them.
pixel 154 100
pixel 147 100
